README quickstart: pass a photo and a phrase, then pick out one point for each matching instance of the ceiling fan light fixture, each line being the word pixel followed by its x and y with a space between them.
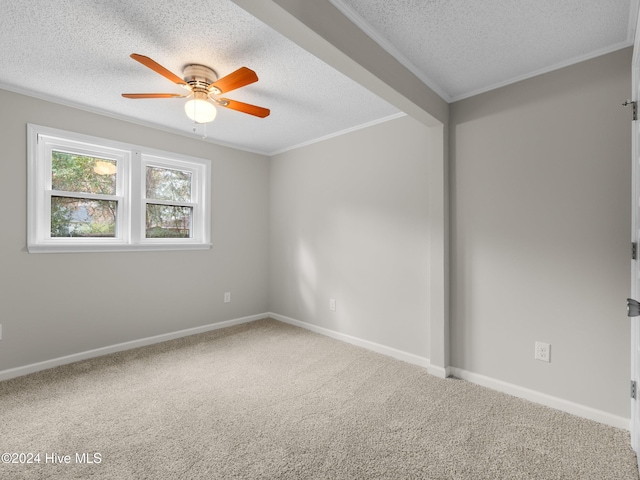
pixel 200 109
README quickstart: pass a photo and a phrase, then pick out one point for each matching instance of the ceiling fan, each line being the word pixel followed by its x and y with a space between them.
pixel 204 87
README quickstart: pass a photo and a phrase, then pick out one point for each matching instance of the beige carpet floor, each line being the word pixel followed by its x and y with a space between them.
pixel 267 400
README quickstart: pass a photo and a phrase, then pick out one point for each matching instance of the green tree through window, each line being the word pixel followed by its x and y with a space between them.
pixel 165 220
pixel 74 216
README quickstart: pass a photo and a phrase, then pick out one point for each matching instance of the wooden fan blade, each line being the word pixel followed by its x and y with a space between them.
pixel 244 107
pixel 156 67
pixel 153 95
pixel 241 77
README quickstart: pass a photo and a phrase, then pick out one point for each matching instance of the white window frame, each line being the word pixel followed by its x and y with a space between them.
pixel 131 163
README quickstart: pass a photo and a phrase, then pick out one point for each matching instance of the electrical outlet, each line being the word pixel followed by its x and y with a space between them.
pixel 0 331
pixel 227 297
pixel 332 304
pixel 543 352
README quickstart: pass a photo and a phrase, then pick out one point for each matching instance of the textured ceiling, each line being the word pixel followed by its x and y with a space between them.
pixel 77 52
pixel 463 47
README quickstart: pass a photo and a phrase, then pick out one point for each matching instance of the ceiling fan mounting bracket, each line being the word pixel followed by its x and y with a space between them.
pixel 199 76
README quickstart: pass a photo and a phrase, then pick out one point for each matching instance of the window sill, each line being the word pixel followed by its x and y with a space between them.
pixel 120 247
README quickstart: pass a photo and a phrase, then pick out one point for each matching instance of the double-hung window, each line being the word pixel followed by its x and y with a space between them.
pixel 88 194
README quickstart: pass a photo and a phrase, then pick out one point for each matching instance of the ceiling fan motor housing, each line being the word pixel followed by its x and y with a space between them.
pixel 199 76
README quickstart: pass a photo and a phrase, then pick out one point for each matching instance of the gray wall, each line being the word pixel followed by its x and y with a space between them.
pixel 52 305
pixel 541 178
pixel 349 220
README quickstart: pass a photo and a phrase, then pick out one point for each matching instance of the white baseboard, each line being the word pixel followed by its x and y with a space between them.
pixel 439 371
pixel 376 347
pixel 543 399
pixel 76 357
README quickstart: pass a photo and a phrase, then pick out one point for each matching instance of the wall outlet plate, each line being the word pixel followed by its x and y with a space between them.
pixel 332 304
pixel 543 352
pixel 227 297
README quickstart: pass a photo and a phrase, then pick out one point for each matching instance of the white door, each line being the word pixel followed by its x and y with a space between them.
pixel 635 236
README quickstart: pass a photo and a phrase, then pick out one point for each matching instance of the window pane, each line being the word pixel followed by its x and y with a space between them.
pixel 77 173
pixel 77 217
pixel 167 184
pixel 167 221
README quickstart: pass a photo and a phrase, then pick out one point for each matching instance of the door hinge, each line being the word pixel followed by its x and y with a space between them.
pixel 634 107
pixel 634 250
pixel 633 389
